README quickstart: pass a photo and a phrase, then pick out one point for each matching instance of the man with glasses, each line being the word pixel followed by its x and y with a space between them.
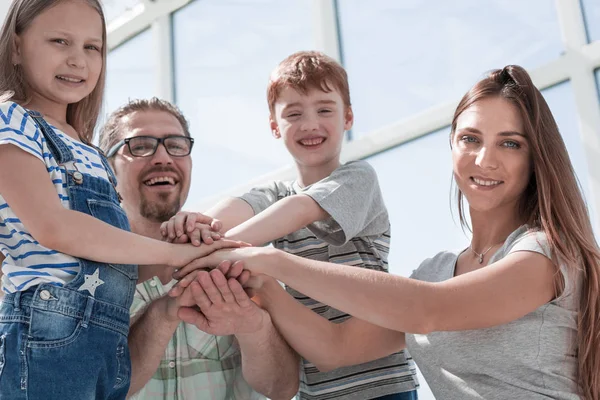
pixel 148 144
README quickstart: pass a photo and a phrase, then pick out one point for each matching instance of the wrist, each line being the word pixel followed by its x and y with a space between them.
pixel 263 260
pixel 165 309
pixel 263 329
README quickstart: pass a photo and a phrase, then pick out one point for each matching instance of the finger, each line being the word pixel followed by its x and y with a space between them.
pixel 206 234
pixel 193 317
pixel 244 277
pixel 181 239
pixel 221 283
pixel 186 299
pixel 195 238
pixel 188 279
pixel 176 291
pixel 200 296
pixel 239 294
pixel 163 229
pixel 210 289
pixel 215 235
pixel 179 223
pixel 236 269
pixel 171 228
pixel 216 225
pixel 224 267
pixel 205 262
pixel 204 219
pixel 190 222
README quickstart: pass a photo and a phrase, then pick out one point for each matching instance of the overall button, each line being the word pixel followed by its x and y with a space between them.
pixel 171 364
pixel 45 295
pixel 153 283
pixel 78 177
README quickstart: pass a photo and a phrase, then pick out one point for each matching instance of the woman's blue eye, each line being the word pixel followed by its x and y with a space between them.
pixel 512 145
pixel 468 139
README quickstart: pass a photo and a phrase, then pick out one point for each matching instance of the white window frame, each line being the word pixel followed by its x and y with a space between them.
pixel 577 64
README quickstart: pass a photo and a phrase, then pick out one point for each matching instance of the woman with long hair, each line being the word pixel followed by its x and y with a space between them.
pixel 516 315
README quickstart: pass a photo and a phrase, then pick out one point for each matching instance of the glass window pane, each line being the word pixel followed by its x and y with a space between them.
pixel 403 57
pixel 591 13
pixel 561 100
pixel 130 72
pixel 115 8
pixel 224 53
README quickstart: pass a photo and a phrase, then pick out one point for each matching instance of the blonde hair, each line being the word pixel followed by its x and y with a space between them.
pixel 83 115
pixel 553 203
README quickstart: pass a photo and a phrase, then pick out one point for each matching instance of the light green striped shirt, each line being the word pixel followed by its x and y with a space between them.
pixel 195 365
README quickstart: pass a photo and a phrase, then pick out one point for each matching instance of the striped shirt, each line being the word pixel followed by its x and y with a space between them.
pixel 358 235
pixel 195 365
pixel 27 262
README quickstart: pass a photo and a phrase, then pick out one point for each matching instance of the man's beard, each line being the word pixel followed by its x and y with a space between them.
pixel 160 210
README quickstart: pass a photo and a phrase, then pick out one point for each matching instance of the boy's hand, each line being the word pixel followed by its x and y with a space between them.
pixel 225 309
pixel 193 227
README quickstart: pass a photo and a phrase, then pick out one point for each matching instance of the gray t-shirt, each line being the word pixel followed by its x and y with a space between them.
pixel 531 358
pixel 357 234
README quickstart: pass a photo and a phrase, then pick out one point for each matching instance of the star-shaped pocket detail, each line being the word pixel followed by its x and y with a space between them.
pixel 92 282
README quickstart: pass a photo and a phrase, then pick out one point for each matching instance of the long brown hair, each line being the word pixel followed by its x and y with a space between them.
pixel 83 115
pixel 553 203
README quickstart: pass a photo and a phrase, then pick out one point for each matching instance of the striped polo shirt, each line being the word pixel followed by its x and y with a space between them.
pixel 27 263
pixel 357 235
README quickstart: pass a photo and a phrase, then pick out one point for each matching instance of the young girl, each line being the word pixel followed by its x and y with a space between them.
pixel 515 315
pixel 69 272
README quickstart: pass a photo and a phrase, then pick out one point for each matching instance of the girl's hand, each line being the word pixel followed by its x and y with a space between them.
pixel 186 254
pixel 191 227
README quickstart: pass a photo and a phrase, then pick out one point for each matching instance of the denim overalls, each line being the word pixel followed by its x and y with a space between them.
pixel 71 342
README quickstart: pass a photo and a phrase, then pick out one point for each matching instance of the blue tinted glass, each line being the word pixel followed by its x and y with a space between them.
pixel 403 57
pixel 591 13
pixel 130 70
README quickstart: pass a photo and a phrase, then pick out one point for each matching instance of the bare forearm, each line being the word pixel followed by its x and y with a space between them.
pixel 148 338
pixel 269 365
pixel 312 336
pixel 83 236
pixel 282 218
pixel 231 212
pixel 363 293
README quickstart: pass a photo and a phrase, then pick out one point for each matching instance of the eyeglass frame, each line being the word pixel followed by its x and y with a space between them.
pixel 113 150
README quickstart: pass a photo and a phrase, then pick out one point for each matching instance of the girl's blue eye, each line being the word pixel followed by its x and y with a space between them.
pixel 92 47
pixel 59 41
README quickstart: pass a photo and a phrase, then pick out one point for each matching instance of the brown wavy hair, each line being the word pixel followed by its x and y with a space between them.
pixel 306 70
pixel 552 202
pixel 83 115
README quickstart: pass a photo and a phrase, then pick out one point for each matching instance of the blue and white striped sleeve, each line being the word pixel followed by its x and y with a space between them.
pixel 19 129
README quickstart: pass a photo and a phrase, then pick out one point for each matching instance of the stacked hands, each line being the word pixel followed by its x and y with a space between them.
pixel 214 292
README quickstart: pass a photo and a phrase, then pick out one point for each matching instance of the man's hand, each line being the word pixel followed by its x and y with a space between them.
pixel 225 308
pixel 191 227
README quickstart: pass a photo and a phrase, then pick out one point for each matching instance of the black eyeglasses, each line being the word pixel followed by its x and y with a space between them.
pixel 145 146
